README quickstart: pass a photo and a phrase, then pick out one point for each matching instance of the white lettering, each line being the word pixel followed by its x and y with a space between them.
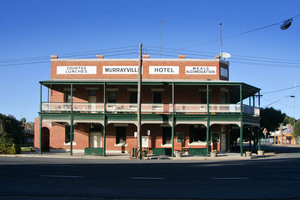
pixel 163 69
pixel 200 70
pixel 76 70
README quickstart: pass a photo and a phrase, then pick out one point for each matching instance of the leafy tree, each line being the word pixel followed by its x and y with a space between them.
pixel 12 128
pixel 271 118
pixel 288 120
pixel 296 131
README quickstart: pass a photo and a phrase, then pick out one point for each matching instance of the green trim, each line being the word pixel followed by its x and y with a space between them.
pixel 173 127
pixel 207 136
pixel 94 151
pixel 71 135
pixel 241 139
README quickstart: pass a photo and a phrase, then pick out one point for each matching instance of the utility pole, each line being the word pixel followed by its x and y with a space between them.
pixel 221 55
pixel 139 136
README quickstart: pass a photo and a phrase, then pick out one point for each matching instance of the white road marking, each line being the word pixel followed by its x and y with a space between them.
pixel 147 178
pixel 231 178
pixel 61 176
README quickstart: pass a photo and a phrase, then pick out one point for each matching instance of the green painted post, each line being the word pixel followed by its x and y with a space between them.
pixel 71 135
pixel 241 138
pixel 173 122
pixel 104 119
pixel 41 119
pixel 207 94
pixel 71 98
pixel 207 136
pixel 173 135
pixel 241 98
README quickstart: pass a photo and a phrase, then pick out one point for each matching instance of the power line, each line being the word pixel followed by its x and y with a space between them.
pixel 281 90
pixel 241 33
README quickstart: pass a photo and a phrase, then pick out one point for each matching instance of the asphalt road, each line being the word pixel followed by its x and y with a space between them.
pixel 55 178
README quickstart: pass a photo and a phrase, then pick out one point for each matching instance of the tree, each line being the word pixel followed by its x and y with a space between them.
pixel 12 127
pixel 296 131
pixel 271 118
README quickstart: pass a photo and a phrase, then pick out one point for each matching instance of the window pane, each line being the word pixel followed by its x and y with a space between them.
pixel 203 97
pixel 133 97
pixel 112 97
pixel 68 134
pixel 68 96
pixel 157 97
pixel 197 133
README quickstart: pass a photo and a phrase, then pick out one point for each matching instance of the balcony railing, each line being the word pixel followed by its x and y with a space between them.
pixel 147 108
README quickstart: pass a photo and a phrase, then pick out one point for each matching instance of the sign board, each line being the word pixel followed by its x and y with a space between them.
pixel 76 70
pixel 120 69
pixel 201 70
pixel 163 69
pixel 145 141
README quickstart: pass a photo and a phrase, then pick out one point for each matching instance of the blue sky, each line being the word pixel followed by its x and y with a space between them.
pixel 32 30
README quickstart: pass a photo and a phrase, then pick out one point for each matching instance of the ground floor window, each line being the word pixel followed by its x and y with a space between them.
pixel 68 134
pixel 167 135
pixel 120 135
pixel 197 133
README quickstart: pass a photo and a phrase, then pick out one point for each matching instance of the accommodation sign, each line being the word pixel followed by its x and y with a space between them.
pixel 200 70
pixel 76 70
pixel 163 69
pixel 120 69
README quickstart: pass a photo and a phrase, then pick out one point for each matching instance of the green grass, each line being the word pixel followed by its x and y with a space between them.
pixel 27 149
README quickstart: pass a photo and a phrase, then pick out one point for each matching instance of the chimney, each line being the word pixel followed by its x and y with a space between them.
pixel 54 56
pixel 181 56
pixel 100 56
pixel 146 56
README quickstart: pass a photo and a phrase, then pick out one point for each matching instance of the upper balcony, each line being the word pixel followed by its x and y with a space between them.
pixel 148 108
pixel 158 97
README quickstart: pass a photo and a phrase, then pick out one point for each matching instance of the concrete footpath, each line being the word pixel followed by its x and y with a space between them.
pixel 125 156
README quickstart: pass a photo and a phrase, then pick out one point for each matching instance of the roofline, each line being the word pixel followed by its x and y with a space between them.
pixel 144 59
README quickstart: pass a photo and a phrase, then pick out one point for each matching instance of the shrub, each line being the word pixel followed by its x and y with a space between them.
pixel 7 146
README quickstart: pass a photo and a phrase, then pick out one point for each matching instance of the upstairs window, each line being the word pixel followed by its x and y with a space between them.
pixel 67 96
pixel 112 97
pixel 157 97
pixel 133 97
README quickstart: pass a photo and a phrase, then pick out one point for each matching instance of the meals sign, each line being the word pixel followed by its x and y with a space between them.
pixel 76 69
pixel 203 70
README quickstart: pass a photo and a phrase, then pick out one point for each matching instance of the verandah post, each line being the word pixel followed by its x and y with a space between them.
pixel 104 119
pixel 41 119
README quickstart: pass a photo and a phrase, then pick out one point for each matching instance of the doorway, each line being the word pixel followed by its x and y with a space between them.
pixel 95 139
pixel 45 140
pixel 223 141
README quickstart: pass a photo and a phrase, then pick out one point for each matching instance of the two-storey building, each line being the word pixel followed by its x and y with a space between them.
pixel 186 104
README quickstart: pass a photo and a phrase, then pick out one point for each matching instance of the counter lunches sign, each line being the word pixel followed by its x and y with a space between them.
pixel 202 70
pixel 120 69
pixel 76 69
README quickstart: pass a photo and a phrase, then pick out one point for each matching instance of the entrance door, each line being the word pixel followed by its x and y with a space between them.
pixel 45 140
pixel 95 139
pixel 223 141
